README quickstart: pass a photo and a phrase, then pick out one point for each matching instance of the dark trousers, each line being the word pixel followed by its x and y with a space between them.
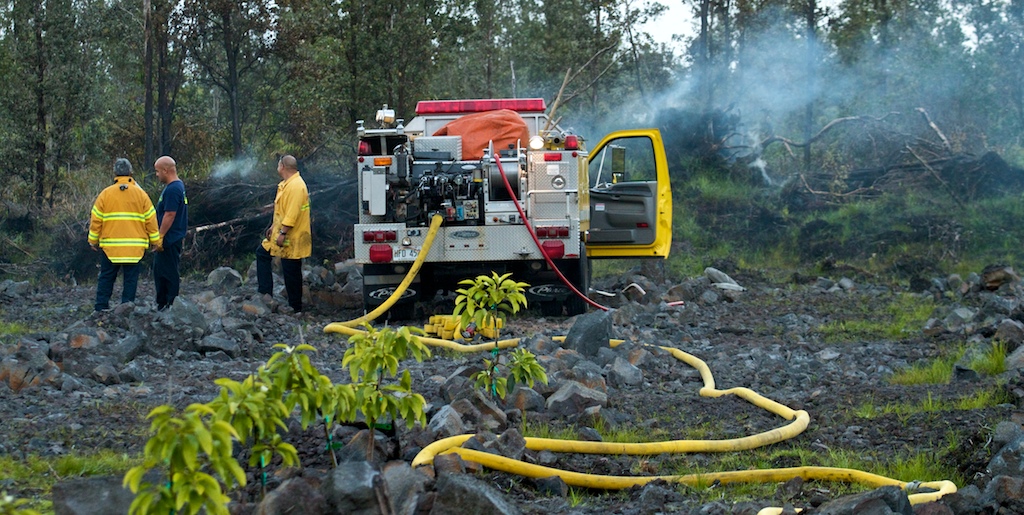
pixel 166 275
pixel 291 270
pixel 105 283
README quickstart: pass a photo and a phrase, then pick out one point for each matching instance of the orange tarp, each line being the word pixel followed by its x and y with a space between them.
pixel 504 127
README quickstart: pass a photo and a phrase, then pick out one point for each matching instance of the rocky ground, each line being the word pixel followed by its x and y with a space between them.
pixel 80 381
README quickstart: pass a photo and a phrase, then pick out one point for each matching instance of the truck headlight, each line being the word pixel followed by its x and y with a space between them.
pixel 536 142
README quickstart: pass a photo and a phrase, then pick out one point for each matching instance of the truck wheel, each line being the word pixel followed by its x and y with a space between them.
pixel 404 309
pixel 574 305
pixel 551 308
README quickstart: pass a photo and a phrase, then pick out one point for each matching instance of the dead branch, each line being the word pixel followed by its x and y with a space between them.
pixel 928 120
pixel 265 210
pixel 945 185
pixel 569 77
pixel 812 191
pixel 15 245
pixel 591 83
pixel 558 98
pixel 828 127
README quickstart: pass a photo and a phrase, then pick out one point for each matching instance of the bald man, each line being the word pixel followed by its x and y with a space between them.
pixel 289 236
pixel 172 216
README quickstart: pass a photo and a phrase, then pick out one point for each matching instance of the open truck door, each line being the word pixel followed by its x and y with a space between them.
pixel 630 197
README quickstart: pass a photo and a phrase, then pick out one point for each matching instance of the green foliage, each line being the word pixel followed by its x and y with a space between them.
pixel 575 497
pixel 291 374
pixel 11 506
pixel 196 447
pixel 13 329
pixel 255 415
pixel 984 398
pixel 488 299
pixel 522 366
pixel 373 357
pixel 904 315
pixel 936 371
pixel 547 430
pixel 992 361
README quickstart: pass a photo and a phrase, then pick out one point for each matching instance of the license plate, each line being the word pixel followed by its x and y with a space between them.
pixel 406 253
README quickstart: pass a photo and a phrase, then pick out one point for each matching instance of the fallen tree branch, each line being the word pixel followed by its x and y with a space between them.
pixel 265 210
pixel 928 120
pixel 829 126
pixel 803 179
pixel 945 185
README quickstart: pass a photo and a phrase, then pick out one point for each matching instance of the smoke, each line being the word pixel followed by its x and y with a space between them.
pixel 236 168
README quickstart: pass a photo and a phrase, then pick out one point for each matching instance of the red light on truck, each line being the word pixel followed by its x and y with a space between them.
pixel 642 225
pixel 552 156
pixel 522 105
pixel 380 253
pixel 572 142
pixel 364 148
pixel 379 236
pixel 563 232
pixel 553 249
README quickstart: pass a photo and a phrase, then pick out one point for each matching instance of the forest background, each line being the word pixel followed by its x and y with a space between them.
pixel 880 134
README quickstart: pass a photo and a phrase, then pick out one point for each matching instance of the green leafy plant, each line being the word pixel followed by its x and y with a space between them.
pixel 486 300
pixel 196 449
pixel 11 506
pixel 374 356
pixel 255 412
pixel 294 378
pixel 522 366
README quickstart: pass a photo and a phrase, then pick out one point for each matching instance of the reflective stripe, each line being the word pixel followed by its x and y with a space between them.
pixel 124 260
pixel 305 207
pixel 124 242
pixel 123 215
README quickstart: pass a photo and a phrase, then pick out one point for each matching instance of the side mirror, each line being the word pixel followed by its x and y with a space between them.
pixel 618 164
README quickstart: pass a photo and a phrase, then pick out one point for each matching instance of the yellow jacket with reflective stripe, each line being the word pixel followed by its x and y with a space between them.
pixel 291 208
pixel 123 222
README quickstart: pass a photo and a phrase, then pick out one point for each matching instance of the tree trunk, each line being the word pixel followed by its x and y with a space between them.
pixel 40 121
pixel 149 135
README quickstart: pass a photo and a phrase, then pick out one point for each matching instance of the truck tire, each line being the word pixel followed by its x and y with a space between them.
pixel 574 305
pixel 404 309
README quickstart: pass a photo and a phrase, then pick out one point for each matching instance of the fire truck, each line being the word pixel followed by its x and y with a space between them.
pixel 517 194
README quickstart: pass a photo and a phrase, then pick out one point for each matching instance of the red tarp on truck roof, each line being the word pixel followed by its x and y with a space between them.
pixel 504 127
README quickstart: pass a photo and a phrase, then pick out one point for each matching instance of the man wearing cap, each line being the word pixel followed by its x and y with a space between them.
pixel 123 226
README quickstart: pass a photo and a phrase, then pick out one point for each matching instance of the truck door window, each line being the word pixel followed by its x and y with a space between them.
pixel 625 160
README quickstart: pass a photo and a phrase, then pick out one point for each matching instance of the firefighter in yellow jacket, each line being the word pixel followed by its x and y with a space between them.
pixel 289 236
pixel 123 226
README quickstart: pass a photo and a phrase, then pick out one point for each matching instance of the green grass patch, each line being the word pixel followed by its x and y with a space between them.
pixel 985 398
pixel 36 475
pixel 904 315
pixel 936 371
pixel 991 362
pixel 547 430
pixel 13 330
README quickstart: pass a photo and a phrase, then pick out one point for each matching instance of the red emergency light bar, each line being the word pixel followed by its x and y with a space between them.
pixel 522 105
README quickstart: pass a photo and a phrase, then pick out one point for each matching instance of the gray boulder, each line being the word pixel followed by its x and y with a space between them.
pixel 463 494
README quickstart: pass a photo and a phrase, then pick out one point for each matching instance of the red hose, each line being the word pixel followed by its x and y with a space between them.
pixel 537 241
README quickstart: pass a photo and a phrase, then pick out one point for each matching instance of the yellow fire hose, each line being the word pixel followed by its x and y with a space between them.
pixel 349 327
pixel 800 420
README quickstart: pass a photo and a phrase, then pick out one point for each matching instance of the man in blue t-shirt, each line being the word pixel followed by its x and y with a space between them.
pixel 172 217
